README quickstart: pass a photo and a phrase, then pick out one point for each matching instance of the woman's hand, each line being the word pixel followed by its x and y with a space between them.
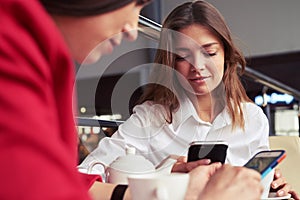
pixel 281 187
pixel 230 182
pixel 199 177
pixel 183 166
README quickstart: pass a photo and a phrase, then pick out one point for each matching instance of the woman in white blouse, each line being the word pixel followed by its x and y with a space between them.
pixel 195 94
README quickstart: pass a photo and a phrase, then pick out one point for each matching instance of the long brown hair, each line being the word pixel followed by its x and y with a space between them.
pixel 204 14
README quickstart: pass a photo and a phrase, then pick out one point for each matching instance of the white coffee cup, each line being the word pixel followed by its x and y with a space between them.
pixel 160 187
pixel 266 183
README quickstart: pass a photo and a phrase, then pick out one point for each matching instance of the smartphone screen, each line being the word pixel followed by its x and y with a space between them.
pixel 265 161
pixel 216 151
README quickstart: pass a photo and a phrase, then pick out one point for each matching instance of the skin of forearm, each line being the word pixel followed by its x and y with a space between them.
pixel 103 191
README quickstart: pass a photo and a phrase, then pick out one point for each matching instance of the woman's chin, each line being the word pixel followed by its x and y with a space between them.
pixel 92 58
pixel 105 48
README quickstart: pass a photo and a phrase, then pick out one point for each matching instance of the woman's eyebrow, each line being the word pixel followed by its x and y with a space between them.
pixel 186 49
pixel 209 44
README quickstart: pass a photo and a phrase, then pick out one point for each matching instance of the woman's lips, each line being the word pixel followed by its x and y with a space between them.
pixel 201 79
pixel 109 45
pixel 115 42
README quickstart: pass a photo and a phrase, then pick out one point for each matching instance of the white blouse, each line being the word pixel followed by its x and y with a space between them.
pixel 155 139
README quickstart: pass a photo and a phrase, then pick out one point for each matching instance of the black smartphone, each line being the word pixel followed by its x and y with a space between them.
pixel 216 151
pixel 265 161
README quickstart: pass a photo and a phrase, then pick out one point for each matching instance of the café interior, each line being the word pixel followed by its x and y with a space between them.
pixel 266 32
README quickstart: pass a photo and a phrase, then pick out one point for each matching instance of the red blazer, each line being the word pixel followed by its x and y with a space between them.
pixel 38 140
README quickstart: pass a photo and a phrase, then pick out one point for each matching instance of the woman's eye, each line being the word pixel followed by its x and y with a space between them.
pixel 181 58
pixel 208 54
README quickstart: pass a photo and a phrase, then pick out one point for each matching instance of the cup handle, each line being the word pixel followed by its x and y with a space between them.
pixel 161 193
pixel 89 171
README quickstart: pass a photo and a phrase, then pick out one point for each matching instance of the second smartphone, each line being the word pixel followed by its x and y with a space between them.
pixel 265 161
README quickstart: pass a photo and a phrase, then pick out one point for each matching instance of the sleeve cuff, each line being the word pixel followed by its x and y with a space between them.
pixel 89 179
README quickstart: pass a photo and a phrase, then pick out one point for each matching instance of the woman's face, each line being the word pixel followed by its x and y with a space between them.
pixel 90 37
pixel 200 59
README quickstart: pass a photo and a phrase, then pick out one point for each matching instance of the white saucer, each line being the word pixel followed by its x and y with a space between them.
pixel 272 196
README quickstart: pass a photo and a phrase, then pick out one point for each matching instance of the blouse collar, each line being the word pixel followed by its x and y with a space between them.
pixel 187 110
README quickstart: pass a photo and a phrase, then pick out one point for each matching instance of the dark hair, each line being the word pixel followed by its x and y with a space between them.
pixel 204 14
pixel 85 7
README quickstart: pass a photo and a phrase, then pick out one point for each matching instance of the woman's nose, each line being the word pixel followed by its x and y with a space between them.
pixel 199 67
pixel 130 32
pixel 198 63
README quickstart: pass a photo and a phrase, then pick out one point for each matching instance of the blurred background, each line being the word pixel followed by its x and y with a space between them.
pixel 267 31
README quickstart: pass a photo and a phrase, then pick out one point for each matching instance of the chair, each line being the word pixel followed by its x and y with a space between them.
pixel 290 165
